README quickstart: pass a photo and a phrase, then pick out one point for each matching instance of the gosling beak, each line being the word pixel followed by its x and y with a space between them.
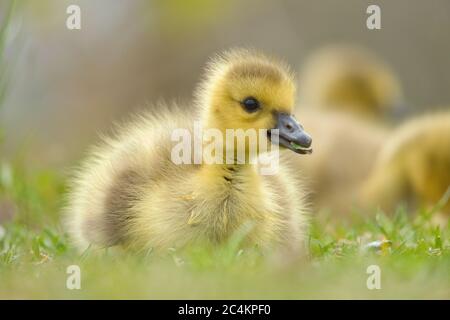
pixel 291 134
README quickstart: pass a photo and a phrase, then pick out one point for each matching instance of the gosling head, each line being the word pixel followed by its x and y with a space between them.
pixel 351 79
pixel 247 90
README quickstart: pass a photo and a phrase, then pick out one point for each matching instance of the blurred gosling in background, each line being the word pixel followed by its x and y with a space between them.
pixel 352 80
pixel 341 89
pixel 414 166
pixel 364 164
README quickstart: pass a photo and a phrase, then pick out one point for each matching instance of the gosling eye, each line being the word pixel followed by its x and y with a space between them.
pixel 250 104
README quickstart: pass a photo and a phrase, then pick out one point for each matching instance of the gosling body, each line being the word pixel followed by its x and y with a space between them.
pixel 346 93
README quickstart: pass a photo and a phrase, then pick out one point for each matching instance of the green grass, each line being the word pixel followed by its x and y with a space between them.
pixel 35 253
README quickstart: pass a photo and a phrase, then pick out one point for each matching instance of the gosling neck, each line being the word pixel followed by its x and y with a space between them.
pixel 231 151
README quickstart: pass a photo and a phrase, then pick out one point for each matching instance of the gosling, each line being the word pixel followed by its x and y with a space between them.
pixel 129 193
pixel 352 80
pixel 346 94
pixel 347 148
pixel 414 166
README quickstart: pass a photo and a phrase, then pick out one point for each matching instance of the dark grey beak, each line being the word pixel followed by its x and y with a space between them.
pixel 291 134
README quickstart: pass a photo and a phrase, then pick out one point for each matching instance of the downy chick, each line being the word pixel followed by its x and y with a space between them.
pixel 130 193
pixel 414 166
pixel 352 80
pixel 345 152
pixel 341 88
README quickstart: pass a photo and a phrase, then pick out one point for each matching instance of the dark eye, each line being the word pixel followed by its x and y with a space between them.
pixel 250 104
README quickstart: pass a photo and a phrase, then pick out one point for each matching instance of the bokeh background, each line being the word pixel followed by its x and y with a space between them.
pixel 66 86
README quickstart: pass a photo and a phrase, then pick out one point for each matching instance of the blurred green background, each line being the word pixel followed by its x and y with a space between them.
pixel 60 88
pixel 68 85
